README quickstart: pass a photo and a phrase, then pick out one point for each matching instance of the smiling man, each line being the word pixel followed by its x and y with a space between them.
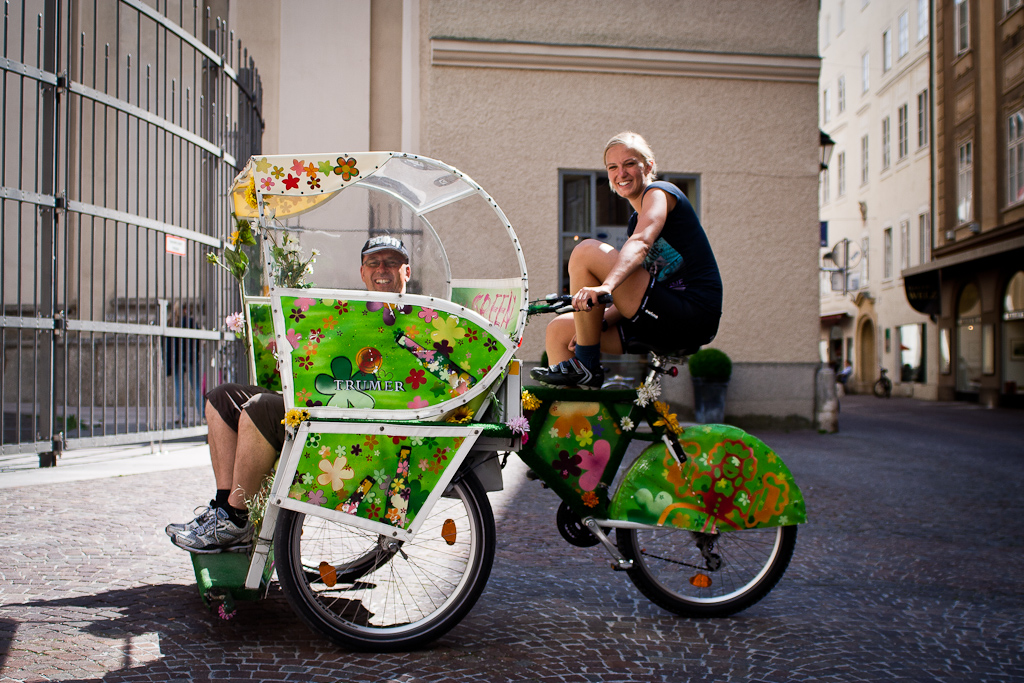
pixel 246 433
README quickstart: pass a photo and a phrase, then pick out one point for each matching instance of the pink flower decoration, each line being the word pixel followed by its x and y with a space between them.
pixel 428 314
pixel 594 464
pixel 316 498
pixel 304 304
pixel 294 338
pixel 418 402
pixel 267 183
pixel 298 167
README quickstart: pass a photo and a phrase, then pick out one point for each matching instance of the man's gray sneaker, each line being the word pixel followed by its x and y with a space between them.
pixel 217 535
pixel 203 515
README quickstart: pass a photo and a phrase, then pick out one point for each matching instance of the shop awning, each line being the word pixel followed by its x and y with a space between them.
pixel 829 319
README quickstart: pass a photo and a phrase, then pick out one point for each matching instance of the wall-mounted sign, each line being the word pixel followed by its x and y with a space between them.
pixel 176 245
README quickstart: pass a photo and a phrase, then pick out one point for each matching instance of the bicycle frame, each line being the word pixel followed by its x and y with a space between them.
pixel 705 478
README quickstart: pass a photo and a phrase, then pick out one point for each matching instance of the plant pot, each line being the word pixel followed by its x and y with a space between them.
pixel 709 401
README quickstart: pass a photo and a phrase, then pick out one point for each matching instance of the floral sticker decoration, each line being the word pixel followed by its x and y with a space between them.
pixel 385 357
pixel 390 487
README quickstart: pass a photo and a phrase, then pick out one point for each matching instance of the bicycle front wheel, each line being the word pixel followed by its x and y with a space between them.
pixel 706 575
pixel 368 592
pixel 883 388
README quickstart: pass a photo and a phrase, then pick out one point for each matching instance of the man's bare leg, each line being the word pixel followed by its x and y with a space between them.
pixel 223 444
pixel 253 461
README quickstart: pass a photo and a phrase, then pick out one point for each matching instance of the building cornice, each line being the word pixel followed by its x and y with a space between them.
pixel 620 60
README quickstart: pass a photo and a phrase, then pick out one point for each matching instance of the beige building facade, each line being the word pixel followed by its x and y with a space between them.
pixel 522 97
pixel 876 198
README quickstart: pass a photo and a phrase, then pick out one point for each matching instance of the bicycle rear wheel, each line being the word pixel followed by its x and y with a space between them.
pixel 706 575
pixel 883 388
pixel 368 592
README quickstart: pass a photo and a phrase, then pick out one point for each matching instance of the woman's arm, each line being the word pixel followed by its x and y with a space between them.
pixel 655 207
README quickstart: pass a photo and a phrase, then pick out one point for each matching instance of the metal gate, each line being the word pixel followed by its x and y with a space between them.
pixel 123 125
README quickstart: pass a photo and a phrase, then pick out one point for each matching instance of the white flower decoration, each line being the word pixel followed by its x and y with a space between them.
pixel 648 392
pixel 627 424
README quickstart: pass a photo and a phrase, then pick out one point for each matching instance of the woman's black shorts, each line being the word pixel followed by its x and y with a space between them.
pixel 669 321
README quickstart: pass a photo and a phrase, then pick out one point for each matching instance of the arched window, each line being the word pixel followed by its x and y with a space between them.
pixel 1013 335
pixel 968 340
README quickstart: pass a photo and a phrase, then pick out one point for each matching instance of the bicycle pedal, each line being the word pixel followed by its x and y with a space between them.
pixel 530 474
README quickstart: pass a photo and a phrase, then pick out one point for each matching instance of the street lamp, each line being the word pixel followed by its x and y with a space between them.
pixel 827 143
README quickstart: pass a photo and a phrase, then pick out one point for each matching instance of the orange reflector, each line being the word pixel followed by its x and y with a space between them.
pixel 701 580
pixel 448 532
pixel 329 574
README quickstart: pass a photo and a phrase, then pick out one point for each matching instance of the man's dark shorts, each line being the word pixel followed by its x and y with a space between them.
pixel 265 409
pixel 669 321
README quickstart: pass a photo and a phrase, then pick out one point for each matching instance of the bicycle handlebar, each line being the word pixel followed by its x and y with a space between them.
pixel 559 303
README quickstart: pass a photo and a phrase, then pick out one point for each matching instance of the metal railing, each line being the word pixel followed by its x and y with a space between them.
pixel 123 125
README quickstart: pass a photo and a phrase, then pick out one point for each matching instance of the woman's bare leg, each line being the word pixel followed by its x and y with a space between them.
pixel 589 265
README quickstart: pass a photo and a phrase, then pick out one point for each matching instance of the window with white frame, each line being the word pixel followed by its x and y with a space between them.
pixel 841 17
pixel 841 175
pixel 886 159
pixel 965 182
pixel 887 254
pixel 865 72
pixel 864 160
pixel 826 105
pixel 922 19
pixel 886 50
pixel 923 118
pixel 902 132
pixel 824 186
pixel 1015 157
pixel 903 35
pixel 962 17
pixel 1011 5
pixel 826 38
pixel 904 244
pixel 924 235
pixel 841 93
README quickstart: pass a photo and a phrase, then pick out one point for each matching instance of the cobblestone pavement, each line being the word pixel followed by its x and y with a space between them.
pixel 910 569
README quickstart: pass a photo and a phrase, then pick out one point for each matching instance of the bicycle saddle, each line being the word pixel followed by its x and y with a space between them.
pixel 643 348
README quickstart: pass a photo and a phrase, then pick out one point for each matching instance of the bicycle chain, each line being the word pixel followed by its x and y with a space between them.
pixel 666 559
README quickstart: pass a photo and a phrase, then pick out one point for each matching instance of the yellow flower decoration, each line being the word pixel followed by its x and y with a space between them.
pixel 668 420
pixel 530 402
pixel 250 193
pixel 460 415
pixel 234 238
pixel 447 330
pixel 585 437
pixel 294 417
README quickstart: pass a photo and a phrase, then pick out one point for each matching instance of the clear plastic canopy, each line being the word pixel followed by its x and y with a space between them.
pixel 462 247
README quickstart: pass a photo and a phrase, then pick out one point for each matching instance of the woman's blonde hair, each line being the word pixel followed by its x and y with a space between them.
pixel 636 143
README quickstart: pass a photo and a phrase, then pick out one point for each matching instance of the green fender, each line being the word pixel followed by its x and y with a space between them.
pixel 730 480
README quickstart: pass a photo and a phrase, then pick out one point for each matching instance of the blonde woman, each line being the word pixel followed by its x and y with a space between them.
pixel 664 283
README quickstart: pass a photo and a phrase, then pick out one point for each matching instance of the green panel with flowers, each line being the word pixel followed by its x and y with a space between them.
pixel 366 354
pixel 572 450
pixel 731 480
pixel 379 478
pixel 263 346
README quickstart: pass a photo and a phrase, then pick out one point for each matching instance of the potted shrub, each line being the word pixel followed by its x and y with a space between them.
pixel 710 370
